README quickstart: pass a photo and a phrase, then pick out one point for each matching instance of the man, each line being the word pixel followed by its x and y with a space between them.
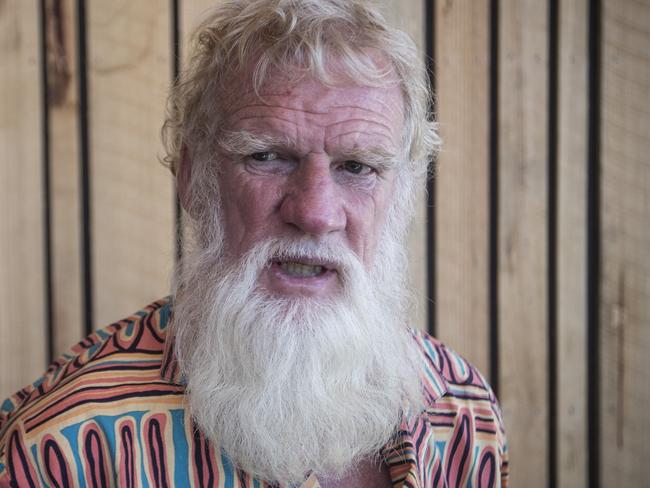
pixel 298 135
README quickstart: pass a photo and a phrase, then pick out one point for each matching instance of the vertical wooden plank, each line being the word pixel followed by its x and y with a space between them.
pixel 522 256
pixel 408 16
pixel 22 321
pixel 571 246
pixel 64 173
pixel 132 200
pixel 625 212
pixel 462 44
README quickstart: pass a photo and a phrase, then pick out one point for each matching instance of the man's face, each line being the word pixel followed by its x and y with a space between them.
pixel 308 160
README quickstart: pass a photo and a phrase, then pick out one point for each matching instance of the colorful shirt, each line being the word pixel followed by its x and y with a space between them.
pixel 112 412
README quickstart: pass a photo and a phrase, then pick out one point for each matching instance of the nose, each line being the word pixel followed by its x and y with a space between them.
pixel 312 202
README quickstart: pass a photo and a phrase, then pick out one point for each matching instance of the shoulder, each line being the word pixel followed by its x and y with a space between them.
pixel 450 374
pixel 461 408
pixel 85 380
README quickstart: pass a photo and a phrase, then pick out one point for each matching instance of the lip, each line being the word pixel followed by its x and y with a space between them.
pixel 328 265
pixel 280 282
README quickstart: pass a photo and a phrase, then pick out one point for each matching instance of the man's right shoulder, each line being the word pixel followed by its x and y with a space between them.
pixel 91 374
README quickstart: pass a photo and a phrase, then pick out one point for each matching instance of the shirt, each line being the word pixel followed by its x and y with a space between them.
pixel 112 412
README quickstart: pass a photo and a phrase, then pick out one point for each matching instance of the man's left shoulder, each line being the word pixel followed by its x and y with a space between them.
pixel 460 405
pixel 460 430
pixel 448 374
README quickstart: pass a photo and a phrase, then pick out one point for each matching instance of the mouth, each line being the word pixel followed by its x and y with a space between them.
pixel 302 268
pixel 297 275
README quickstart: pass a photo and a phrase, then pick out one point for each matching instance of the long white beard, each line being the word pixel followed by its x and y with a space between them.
pixel 286 386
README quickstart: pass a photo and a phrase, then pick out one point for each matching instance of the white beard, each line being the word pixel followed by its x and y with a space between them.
pixel 286 386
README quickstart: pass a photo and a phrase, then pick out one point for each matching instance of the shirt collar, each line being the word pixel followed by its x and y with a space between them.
pixel 169 370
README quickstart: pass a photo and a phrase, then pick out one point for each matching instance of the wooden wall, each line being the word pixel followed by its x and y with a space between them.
pixel 529 253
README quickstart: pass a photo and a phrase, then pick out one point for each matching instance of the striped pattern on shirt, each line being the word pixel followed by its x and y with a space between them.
pixel 112 412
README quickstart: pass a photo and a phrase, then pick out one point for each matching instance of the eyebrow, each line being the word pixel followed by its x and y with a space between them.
pixel 244 143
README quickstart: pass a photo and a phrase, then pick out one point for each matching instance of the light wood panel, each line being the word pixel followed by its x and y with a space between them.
pixel 571 245
pixel 132 201
pixel 22 301
pixel 63 102
pixel 462 179
pixel 522 253
pixel 408 16
pixel 625 231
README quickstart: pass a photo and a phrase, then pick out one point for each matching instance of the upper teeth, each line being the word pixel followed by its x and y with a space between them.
pixel 298 269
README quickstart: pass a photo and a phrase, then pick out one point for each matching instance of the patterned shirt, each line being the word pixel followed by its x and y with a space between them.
pixel 112 412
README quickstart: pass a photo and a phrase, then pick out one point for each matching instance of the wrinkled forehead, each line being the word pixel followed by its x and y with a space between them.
pixel 312 95
pixel 351 114
pixel 298 89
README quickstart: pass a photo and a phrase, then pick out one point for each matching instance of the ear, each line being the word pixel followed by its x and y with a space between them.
pixel 183 179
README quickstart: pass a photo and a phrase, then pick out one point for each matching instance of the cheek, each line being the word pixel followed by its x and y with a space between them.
pixel 368 216
pixel 248 208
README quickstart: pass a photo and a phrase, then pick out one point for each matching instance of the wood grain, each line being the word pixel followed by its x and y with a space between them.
pixel 64 171
pixel 522 236
pixel 132 200
pixel 571 291
pixel 22 302
pixel 462 178
pixel 625 232
pixel 408 16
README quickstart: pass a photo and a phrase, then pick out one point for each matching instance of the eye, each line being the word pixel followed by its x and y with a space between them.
pixel 269 163
pixel 356 168
pixel 264 156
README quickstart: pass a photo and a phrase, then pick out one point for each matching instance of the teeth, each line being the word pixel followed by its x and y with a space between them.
pixel 302 270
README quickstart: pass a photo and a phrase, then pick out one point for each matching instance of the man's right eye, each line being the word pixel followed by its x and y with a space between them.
pixel 264 156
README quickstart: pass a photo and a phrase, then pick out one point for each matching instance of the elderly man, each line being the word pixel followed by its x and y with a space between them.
pixel 298 135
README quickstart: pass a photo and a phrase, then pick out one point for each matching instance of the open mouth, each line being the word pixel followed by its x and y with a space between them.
pixel 301 275
pixel 301 269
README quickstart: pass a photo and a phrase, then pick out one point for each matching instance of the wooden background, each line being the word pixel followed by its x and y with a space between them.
pixel 529 255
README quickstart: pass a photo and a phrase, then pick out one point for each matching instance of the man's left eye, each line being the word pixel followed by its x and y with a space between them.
pixel 357 168
pixel 264 156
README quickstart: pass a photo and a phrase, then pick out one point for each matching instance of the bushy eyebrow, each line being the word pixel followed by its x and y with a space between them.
pixel 245 143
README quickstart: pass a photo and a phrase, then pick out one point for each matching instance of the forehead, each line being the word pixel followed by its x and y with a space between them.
pixel 333 111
